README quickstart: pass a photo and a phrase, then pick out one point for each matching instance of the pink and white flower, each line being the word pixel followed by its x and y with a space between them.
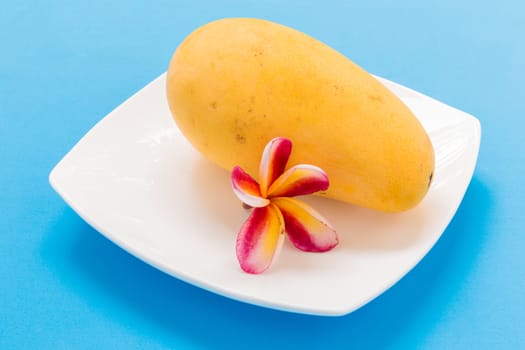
pixel 275 212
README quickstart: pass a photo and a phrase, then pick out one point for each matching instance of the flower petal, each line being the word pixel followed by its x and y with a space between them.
pixel 307 229
pixel 299 180
pixel 259 239
pixel 247 189
pixel 273 161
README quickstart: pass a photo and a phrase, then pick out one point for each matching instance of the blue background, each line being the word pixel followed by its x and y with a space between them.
pixel 64 65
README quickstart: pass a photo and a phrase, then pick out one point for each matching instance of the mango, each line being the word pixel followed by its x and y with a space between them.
pixel 234 84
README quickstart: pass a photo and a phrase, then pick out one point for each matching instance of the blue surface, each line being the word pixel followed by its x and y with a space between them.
pixel 63 66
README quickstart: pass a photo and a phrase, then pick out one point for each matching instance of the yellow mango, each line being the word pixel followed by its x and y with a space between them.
pixel 234 84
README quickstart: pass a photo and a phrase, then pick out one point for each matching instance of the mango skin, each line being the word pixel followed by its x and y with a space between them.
pixel 234 84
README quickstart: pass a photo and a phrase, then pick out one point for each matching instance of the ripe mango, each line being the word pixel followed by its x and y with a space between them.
pixel 234 84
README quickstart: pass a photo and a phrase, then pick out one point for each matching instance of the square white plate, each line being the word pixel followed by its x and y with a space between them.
pixel 136 179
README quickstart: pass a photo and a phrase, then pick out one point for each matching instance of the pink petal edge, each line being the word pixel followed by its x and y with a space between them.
pixel 306 228
pixel 247 189
pixel 273 162
pixel 299 180
pixel 260 239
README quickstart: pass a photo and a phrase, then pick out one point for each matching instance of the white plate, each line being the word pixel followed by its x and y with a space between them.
pixel 136 179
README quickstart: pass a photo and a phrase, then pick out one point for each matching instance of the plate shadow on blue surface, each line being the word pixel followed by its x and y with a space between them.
pixel 132 293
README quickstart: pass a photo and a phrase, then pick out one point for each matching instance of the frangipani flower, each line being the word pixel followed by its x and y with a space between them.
pixel 275 212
